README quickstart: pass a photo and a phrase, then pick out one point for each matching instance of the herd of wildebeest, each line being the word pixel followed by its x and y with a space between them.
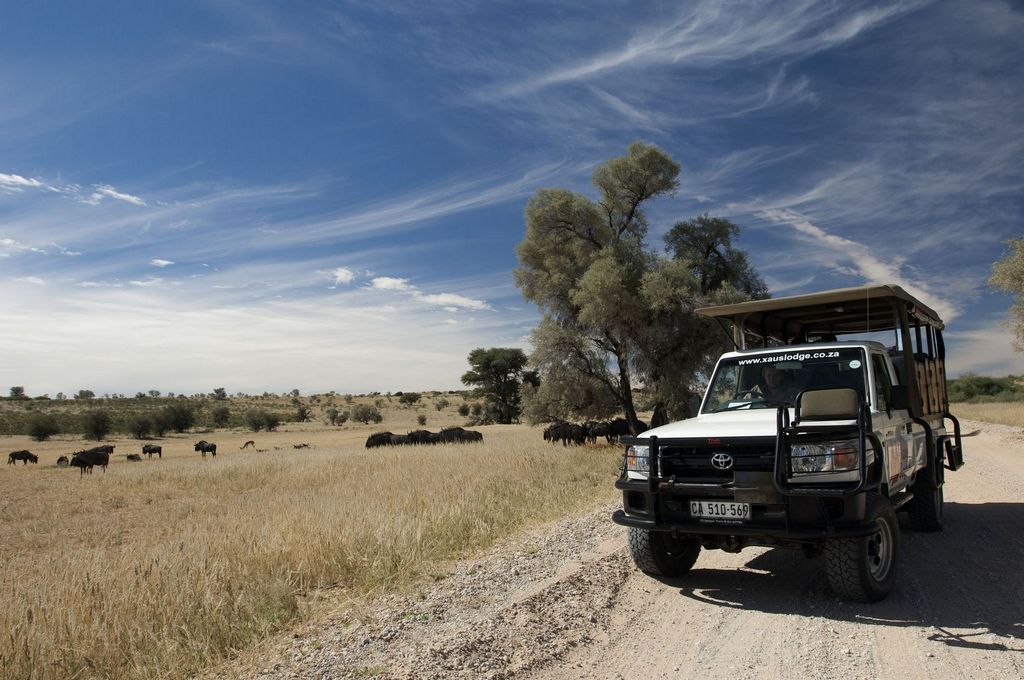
pixel 588 432
pixel 99 456
pixel 559 431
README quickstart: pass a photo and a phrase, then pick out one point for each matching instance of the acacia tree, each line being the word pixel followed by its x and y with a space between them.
pixel 1008 274
pixel 498 373
pixel 618 315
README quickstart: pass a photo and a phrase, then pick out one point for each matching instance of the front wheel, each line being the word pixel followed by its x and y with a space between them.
pixel 658 553
pixel 864 569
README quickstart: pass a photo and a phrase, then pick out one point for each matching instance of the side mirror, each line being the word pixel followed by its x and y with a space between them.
pixel 899 397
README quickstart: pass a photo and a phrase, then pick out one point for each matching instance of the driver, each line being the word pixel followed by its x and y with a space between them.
pixel 777 386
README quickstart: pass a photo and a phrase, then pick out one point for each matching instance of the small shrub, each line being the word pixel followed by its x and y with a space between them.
pixel 441 404
pixel 178 417
pixel 220 416
pixel 336 417
pixel 96 424
pixel 140 426
pixel 409 398
pixel 364 413
pixel 42 426
pixel 257 419
pixel 303 413
pixel 463 410
pixel 477 408
pixel 421 419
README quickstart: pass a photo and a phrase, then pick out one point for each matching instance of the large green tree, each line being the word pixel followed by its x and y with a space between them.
pixel 498 374
pixel 1008 274
pixel 617 314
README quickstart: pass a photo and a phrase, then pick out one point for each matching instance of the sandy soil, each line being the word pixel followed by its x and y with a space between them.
pixel 565 601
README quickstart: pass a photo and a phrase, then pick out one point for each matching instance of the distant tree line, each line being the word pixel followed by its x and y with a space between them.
pixel 980 388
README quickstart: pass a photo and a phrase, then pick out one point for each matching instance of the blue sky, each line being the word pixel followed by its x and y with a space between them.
pixel 327 195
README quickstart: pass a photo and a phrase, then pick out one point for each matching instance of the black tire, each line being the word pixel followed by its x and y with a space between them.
pixel 864 569
pixel 925 508
pixel 658 553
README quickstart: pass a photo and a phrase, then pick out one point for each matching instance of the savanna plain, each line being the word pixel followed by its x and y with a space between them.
pixel 168 567
pixel 160 568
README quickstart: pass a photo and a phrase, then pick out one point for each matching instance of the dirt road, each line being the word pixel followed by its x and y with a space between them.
pixel 566 602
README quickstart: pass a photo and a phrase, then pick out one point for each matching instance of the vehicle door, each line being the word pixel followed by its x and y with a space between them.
pixel 890 424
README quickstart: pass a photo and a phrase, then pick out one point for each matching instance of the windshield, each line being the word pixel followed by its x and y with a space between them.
pixel 773 380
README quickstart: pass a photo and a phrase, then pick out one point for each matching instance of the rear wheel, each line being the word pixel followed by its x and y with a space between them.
pixel 658 553
pixel 925 508
pixel 864 569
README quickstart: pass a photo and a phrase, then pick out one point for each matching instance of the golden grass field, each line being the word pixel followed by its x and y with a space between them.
pixel 1009 413
pixel 161 568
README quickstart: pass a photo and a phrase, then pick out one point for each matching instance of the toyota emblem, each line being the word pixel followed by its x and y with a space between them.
pixel 721 461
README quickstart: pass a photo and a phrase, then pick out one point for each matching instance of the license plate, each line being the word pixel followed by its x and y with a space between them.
pixel 720 510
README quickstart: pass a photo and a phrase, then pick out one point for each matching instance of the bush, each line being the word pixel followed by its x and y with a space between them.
pixel 364 413
pixel 42 426
pixel 463 409
pixel 336 417
pixel 257 419
pixel 220 416
pixel 421 419
pixel 441 404
pixel 477 409
pixel 140 426
pixel 96 424
pixel 178 417
pixel 409 398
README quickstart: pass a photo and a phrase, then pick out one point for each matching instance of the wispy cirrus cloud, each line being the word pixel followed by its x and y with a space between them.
pixel 105 191
pixel 710 33
pixel 158 262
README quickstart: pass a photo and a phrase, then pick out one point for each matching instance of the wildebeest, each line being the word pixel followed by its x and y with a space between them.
pixel 24 456
pixel 91 457
pixel 63 461
pixel 459 435
pixel 206 447
pixel 150 449
pixel 567 433
pixel 378 439
pixel 597 429
pixel 248 444
pixel 424 437
pixel 134 457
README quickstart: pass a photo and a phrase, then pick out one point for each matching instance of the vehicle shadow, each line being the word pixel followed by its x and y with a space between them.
pixel 964 583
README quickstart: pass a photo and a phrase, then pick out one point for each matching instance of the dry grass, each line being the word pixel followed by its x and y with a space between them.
pixel 161 568
pixel 1006 413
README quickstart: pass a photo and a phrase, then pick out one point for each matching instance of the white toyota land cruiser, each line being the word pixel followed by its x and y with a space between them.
pixel 805 441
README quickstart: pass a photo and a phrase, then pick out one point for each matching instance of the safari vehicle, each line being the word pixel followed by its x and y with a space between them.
pixel 811 435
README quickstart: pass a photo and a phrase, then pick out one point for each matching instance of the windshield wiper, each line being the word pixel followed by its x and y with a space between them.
pixel 733 407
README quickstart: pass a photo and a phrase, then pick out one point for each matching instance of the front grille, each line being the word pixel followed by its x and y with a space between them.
pixel 693 463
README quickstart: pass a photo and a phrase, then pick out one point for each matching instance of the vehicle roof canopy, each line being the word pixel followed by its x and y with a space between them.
pixel 861 309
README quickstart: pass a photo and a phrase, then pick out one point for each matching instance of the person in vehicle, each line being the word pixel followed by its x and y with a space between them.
pixel 777 385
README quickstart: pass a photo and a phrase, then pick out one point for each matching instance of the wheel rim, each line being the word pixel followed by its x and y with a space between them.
pixel 880 551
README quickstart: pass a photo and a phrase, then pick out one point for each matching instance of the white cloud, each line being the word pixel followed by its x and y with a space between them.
pixel 985 351
pixel 157 262
pixel 342 276
pixel 18 183
pixel 148 283
pixel 389 283
pixel 860 260
pixel 106 191
pixel 452 300
pixel 34 280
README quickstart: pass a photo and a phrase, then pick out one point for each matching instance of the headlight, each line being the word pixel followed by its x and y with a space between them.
pixel 827 457
pixel 638 461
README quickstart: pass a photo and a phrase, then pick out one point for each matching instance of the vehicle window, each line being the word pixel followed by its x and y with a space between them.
pixel 882 382
pixel 775 379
